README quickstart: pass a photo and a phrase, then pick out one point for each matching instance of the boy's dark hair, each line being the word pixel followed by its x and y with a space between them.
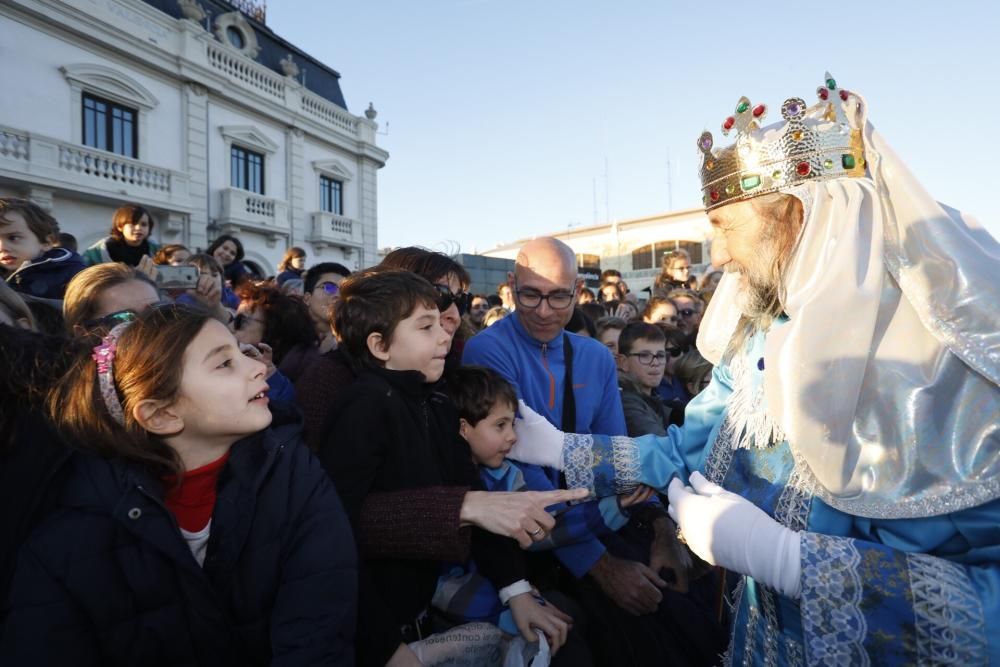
pixel 39 221
pixel 317 270
pixel 128 214
pixel 376 301
pixel 68 241
pixel 610 273
pixel 636 331
pixel 494 300
pixel 474 390
pixel 674 337
pixel 593 310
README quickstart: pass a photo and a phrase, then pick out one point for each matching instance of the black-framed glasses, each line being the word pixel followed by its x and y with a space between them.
pixel 446 297
pixel 242 319
pixel 646 358
pixel 330 288
pixel 529 298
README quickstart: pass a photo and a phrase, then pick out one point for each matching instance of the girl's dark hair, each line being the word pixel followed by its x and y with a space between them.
pixel 222 239
pixel 580 321
pixel 654 303
pixel 290 254
pixel 167 252
pixel 376 301
pixel 128 214
pixel 474 390
pixel 287 323
pixel 433 266
pixel 148 364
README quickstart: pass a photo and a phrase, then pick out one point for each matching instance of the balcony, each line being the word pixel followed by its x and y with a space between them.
pixel 330 229
pixel 247 211
pixel 49 162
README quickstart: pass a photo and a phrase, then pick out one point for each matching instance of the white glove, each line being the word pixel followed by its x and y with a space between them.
pixel 728 530
pixel 538 441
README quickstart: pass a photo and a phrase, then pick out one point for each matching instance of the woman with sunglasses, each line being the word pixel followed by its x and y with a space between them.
pixel 671 390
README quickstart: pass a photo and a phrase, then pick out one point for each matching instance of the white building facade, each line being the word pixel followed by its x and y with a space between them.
pixel 108 102
pixel 634 247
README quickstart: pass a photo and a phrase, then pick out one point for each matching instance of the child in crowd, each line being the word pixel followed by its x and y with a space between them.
pixel 609 329
pixel 486 405
pixel 695 372
pixel 29 259
pixel 128 241
pixel 641 359
pixel 172 254
pixel 208 265
pixel 194 528
pixel 394 430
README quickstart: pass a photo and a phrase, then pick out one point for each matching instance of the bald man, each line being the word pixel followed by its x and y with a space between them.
pixel 530 348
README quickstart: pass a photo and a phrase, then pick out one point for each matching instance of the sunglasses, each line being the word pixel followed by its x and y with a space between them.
pixel 675 351
pixel 446 297
pixel 112 319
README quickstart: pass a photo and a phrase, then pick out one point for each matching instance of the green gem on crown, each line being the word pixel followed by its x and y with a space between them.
pixel 749 182
pixel 847 160
pixel 831 84
pixel 742 106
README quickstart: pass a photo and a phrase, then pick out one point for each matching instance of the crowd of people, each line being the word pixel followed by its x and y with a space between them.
pixel 793 459
pixel 312 469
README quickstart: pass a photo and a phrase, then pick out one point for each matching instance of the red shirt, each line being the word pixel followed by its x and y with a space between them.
pixel 193 501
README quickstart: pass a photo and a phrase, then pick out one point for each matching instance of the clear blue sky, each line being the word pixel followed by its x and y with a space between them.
pixel 502 114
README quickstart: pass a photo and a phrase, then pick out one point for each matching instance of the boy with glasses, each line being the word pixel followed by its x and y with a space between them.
pixel 319 288
pixel 642 356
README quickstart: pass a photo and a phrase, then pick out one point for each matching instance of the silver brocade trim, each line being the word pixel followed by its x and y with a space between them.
pixel 751 424
pixel 726 658
pixel 833 626
pixel 771 629
pixel 578 461
pixel 794 654
pixel 625 457
pixel 795 501
pixel 720 457
pixel 753 618
pixel 949 615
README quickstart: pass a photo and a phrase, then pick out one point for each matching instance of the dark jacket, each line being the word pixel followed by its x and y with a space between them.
pixel 644 412
pixel 109 580
pixel 391 432
pixel 318 389
pixel 48 274
pixel 288 274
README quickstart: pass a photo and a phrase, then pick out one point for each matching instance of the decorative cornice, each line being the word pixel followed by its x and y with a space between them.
pixel 110 83
pixel 334 168
pixel 250 136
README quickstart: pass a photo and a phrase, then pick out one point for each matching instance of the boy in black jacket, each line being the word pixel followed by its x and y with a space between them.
pixel 395 431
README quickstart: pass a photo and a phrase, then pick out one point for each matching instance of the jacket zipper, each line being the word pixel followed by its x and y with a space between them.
pixel 552 377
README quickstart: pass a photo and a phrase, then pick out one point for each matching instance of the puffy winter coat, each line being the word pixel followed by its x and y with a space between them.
pixel 109 580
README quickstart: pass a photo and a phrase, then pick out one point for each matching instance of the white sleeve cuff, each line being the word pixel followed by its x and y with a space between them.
pixel 516 588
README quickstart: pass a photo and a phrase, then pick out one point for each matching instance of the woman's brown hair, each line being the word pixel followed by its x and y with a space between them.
pixel 84 291
pixel 167 252
pixel 148 364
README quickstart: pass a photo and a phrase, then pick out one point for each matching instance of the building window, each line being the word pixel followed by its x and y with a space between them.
pixel 109 126
pixel 246 169
pixel 642 258
pixel 235 36
pixel 331 195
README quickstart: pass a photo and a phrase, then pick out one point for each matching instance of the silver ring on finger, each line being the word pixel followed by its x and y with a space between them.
pixel 535 532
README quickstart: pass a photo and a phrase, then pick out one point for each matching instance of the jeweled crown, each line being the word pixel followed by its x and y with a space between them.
pixel 815 143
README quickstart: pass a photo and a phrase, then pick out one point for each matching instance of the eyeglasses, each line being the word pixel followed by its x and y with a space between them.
pixel 646 358
pixel 682 268
pixel 446 297
pixel 529 298
pixel 241 320
pixel 330 288
pixel 112 319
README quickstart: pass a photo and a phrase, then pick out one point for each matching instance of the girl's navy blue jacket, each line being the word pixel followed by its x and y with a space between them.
pixel 109 580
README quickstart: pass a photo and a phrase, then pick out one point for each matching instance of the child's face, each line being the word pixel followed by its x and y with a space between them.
pixel 647 376
pixel 419 343
pixel 18 244
pixel 136 232
pixel 222 394
pixel 609 337
pixel 226 253
pixel 665 312
pixel 492 437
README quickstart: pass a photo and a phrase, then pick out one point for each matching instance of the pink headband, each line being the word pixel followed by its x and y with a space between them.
pixel 104 355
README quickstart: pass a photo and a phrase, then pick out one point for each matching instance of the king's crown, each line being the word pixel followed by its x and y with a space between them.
pixel 820 142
